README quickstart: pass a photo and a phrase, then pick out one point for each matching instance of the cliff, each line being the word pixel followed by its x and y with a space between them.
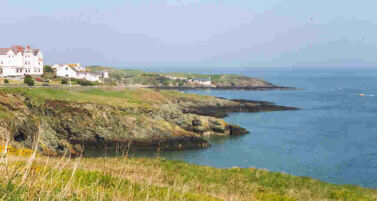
pixel 70 119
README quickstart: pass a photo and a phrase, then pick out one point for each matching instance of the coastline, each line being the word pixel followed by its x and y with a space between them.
pixel 72 118
pixel 247 88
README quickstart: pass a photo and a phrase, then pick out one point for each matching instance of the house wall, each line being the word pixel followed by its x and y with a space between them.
pixel 11 71
pixel 31 64
pixel 64 71
pixel 67 71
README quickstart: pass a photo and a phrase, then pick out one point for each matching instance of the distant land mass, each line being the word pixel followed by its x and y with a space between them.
pixel 179 80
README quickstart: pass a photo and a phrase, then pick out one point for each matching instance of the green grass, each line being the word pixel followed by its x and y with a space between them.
pixel 126 97
pixel 159 179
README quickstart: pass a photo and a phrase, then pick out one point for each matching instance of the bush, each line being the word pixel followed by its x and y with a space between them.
pixel 29 80
pixel 181 83
pixel 6 81
pixel 64 81
pixel 85 83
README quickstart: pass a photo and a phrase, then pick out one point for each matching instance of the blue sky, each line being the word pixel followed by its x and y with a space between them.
pixel 196 34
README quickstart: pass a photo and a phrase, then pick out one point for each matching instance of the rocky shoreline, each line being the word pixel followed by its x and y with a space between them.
pixel 247 88
pixel 168 120
pixel 243 106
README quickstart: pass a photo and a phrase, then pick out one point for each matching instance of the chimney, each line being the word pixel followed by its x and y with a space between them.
pixel 28 47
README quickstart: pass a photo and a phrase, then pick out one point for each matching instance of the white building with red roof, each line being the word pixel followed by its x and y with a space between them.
pixel 19 61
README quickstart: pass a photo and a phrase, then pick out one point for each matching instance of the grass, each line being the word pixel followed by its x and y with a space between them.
pixel 123 97
pixel 24 177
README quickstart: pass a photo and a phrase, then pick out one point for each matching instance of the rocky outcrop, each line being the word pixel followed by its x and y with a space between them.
pixel 166 121
pixel 235 105
pixel 63 126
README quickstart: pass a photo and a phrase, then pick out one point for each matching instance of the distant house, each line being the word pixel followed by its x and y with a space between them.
pixel 18 61
pixel 202 81
pixel 79 72
pixel 175 77
pixel 103 74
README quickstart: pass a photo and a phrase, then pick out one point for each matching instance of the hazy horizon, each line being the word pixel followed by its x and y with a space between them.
pixel 199 35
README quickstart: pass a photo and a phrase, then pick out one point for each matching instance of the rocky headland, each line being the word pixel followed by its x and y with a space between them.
pixel 70 120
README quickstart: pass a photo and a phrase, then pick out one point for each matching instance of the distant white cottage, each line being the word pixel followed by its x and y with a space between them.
pixel 79 72
pixel 19 61
pixel 202 81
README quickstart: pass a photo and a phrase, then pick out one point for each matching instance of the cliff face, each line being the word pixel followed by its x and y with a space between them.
pixel 63 126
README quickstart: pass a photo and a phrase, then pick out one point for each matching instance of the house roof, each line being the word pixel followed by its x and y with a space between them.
pixel 18 48
pixel 4 51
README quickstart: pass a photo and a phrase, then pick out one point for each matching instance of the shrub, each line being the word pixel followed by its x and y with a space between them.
pixel 29 80
pixel 181 83
pixel 64 81
pixel 6 81
pixel 85 83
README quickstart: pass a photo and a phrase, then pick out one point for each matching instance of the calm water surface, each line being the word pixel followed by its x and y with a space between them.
pixel 333 137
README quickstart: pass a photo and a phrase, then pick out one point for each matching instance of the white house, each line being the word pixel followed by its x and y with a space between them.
pixel 77 71
pixel 200 81
pixel 20 61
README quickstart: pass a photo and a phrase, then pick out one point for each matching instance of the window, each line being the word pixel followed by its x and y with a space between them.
pixel 66 68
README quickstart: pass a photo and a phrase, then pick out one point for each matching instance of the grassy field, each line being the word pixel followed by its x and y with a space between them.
pixel 124 97
pixel 25 175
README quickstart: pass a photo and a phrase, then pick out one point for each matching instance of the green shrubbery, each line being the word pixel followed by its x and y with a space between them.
pixel 6 81
pixel 84 82
pixel 64 81
pixel 29 80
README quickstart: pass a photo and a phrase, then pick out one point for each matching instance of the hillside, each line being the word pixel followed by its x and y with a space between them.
pixel 26 176
pixel 182 80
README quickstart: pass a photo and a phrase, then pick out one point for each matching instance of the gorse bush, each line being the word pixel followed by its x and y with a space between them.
pixel 29 80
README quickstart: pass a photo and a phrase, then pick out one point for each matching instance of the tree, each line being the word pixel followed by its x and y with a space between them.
pixel 6 81
pixel 29 80
pixel 48 69
pixel 64 81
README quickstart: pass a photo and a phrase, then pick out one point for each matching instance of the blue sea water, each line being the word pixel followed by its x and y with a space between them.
pixel 332 138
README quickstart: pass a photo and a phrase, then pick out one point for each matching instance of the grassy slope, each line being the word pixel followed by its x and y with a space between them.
pixel 141 77
pixel 124 97
pixel 157 179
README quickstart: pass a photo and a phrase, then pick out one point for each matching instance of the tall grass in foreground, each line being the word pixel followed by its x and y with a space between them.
pixel 25 175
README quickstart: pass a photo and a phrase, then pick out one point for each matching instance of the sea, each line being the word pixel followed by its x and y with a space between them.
pixel 333 137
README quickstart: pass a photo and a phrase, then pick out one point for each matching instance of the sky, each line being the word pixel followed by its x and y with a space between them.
pixel 212 34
